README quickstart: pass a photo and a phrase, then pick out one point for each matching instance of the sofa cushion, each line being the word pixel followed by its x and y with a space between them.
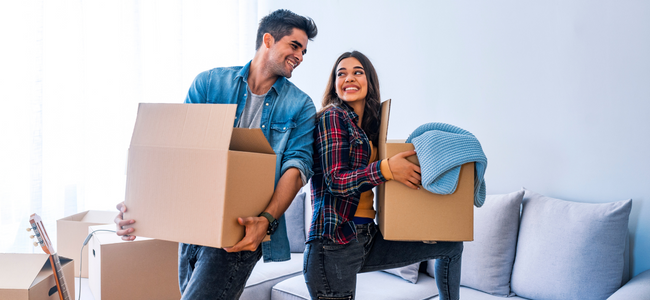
pixel 295 218
pixel 408 273
pixel 472 294
pixel 370 286
pixel 569 250
pixel 266 275
pixel 487 261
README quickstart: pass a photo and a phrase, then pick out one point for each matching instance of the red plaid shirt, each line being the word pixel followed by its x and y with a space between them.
pixel 341 174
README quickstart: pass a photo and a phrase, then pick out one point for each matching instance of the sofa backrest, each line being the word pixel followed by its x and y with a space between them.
pixel 295 220
pixel 298 219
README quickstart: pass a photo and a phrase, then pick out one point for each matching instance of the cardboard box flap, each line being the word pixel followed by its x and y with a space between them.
pixel 99 216
pixel 196 126
pixel 47 271
pixel 75 217
pixel 250 140
pixel 383 128
pixel 19 270
pixel 92 216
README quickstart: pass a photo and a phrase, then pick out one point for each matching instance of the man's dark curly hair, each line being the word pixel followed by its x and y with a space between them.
pixel 281 23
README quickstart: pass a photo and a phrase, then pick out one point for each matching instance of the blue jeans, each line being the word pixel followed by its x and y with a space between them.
pixel 331 269
pixel 213 273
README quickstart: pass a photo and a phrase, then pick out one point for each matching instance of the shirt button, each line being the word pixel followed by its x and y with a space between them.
pixel 245 95
pixel 267 104
pixel 285 128
pixel 263 126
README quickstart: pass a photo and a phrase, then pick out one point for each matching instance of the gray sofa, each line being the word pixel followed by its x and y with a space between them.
pixel 526 246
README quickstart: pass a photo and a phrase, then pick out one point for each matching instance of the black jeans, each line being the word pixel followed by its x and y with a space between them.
pixel 331 269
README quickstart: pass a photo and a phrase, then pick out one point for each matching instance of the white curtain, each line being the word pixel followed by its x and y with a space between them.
pixel 71 75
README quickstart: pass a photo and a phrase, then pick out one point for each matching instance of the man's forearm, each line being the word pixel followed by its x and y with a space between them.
pixel 287 188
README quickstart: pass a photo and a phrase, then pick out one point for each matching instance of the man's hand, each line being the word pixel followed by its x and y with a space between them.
pixel 121 230
pixel 405 171
pixel 255 232
pixel 256 227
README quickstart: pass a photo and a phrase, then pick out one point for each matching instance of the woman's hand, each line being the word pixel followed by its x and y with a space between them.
pixel 121 230
pixel 405 171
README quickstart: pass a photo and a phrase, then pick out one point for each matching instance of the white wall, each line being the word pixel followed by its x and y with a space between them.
pixel 558 92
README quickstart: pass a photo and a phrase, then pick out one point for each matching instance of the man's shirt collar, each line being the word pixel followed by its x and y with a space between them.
pixel 243 75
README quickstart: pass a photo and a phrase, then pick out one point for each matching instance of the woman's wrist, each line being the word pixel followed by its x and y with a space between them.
pixel 385 170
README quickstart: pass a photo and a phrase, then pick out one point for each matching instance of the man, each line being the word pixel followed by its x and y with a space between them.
pixel 265 99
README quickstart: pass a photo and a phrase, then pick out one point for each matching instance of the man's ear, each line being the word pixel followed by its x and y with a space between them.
pixel 268 40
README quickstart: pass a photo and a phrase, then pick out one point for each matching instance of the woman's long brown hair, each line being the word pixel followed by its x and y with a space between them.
pixel 370 121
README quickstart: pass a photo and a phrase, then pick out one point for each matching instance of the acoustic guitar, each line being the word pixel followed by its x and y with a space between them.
pixel 44 241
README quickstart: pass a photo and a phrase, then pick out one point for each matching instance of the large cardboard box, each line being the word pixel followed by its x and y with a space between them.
pixel 30 277
pixel 191 174
pixel 72 232
pixel 141 269
pixel 405 214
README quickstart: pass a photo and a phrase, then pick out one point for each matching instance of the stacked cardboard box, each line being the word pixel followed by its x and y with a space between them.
pixel 140 269
pixel 30 277
pixel 72 232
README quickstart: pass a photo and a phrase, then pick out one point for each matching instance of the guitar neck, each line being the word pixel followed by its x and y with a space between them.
pixel 59 278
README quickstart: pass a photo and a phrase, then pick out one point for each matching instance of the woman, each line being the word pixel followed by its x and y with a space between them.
pixel 343 238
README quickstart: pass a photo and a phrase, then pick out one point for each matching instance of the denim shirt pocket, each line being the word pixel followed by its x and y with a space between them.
pixel 280 132
pixel 283 126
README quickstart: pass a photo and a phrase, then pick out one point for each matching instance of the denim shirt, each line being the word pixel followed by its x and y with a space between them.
pixel 287 122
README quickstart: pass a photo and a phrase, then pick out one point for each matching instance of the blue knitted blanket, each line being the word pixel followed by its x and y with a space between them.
pixel 442 149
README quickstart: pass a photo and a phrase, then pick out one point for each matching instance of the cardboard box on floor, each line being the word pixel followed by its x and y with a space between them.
pixel 72 232
pixel 405 214
pixel 141 269
pixel 191 174
pixel 29 276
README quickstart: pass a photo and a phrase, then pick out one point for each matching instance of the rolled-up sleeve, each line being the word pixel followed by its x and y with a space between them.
pixel 300 146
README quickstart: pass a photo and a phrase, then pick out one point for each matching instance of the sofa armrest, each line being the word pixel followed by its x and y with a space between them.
pixel 637 288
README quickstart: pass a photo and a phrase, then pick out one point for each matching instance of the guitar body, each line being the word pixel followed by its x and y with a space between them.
pixel 44 240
